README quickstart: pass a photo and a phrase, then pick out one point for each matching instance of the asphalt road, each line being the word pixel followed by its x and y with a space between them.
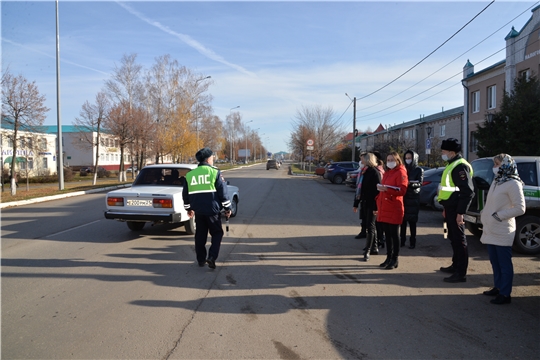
pixel 290 284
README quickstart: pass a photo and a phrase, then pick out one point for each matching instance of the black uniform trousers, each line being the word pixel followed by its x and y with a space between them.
pixel 205 224
pixel 458 240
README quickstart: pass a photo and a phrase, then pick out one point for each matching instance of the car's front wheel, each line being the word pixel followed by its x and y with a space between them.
pixel 338 179
pixel 190 226
pixel 435 204
pixel 135 225
pixel 527 239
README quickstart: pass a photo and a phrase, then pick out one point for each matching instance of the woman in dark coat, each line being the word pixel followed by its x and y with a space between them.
pixel 365 196
pixel 411 199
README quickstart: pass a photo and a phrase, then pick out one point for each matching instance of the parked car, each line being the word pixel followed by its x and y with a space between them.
pixel 272 164
pixel 351 178
pixel 156 197
pixel 130 169
pixel 430 188
pixel 527 239
pixel 320 170
pixel 337 172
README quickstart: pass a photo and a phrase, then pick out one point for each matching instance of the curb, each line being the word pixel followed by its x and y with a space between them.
pixel 59 196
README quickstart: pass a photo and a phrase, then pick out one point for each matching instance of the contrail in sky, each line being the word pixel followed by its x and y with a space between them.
pixel 54 56
pixel 186 39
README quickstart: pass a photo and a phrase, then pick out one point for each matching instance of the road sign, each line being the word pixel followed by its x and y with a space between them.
pixel 309 142
pixel 428 146
pixel 310 147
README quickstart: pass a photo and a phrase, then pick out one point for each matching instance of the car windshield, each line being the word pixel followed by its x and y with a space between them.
pixel 161 176
pixel 482 169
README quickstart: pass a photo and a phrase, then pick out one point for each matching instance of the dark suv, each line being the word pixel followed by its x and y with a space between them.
pixel 337 172
pixel 272 164
pixel 527 239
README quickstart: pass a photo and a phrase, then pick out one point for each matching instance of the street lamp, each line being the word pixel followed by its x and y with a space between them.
pixel 232 133
pixel 197 111
pixel 254 146
pixel 245 157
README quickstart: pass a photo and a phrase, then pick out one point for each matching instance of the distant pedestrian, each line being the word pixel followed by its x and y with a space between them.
pixel 362 211
pixel 411 200
pixel 390 206
pixel 504 203
pixel 205 194
pixel 455 194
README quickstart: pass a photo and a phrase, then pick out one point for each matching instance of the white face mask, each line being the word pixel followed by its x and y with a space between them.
pixel 360 164
pixel 444 157
pixel 495 170
pixel 408 161
pixel 391 164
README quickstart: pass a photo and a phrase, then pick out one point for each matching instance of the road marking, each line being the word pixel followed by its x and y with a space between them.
pixel 75 228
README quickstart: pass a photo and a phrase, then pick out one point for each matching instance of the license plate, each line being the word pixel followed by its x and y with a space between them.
pixel 139 202
pixel 469 218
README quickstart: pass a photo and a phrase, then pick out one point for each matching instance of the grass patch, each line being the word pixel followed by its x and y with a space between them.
pixel 41 190
pixel 297 169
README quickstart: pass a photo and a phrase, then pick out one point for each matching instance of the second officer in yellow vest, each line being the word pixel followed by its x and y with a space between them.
pixel 205 194
pixel 455 194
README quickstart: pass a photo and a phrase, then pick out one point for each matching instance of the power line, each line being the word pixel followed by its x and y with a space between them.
pixel 431 53
pixel 458 57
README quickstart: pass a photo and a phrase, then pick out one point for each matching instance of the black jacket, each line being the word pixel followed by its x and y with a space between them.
pixel 411 200
pixel 460 200
pixel 369 191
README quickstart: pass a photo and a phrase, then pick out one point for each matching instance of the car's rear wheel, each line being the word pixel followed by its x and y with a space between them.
pixel 338 179
pixel 527 239
pixel 190 226
pixel 234 206
pixel 135 225
pixel 474 229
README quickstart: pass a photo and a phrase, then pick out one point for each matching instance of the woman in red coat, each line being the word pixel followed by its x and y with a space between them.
pixel 390 208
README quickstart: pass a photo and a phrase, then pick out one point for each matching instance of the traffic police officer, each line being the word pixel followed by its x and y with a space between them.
pixel 205 194
pixel 455 194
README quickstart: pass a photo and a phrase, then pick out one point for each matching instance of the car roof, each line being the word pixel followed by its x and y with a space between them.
pixel 516 158
pixel 171 166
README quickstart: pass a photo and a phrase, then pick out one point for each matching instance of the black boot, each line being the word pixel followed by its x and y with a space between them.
pixel 386 262
pixel 361 234
pixel 370 239
pixel 413 243
pixel 403 241
pixel 393 264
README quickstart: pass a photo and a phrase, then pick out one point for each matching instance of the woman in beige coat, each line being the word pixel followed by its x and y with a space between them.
pixel 504 203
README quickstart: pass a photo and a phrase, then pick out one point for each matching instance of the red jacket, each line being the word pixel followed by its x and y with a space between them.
pixel 390 203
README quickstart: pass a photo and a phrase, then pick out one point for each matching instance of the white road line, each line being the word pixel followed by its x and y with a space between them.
pixel 75 228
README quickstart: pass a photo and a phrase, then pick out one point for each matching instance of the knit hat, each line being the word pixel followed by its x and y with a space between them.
pixel 451 144
pixel 203 154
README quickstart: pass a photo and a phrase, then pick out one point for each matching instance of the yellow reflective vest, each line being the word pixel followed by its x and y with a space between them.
pixel 447 186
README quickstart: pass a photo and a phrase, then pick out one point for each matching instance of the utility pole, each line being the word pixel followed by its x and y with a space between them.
pixel 354 129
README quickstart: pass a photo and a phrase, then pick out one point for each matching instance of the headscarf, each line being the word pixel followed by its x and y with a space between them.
pixel 507 170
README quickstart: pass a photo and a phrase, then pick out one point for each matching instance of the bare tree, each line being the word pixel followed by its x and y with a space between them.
pixel 119 122
pixel 324 127
pixel 24 105
pixel 92 117
pixel 211 133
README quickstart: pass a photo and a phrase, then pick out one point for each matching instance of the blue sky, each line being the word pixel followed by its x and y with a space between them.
pixel 270 58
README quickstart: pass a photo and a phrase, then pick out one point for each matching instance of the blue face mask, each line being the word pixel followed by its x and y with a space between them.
pixel 444 157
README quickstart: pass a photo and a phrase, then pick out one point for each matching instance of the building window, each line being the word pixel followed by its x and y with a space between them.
pixel 492 97
pixel 30 143
pixel 43 144
pixel 443 131
pixel 10 142
pixel 526 74
pixel 473 142
pixel 30 163
pixel 475 101
pixel 45 163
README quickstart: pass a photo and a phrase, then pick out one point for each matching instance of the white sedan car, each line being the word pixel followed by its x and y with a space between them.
pixel 156 196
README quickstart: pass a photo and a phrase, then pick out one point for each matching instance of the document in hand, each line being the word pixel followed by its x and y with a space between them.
pixel 397 188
